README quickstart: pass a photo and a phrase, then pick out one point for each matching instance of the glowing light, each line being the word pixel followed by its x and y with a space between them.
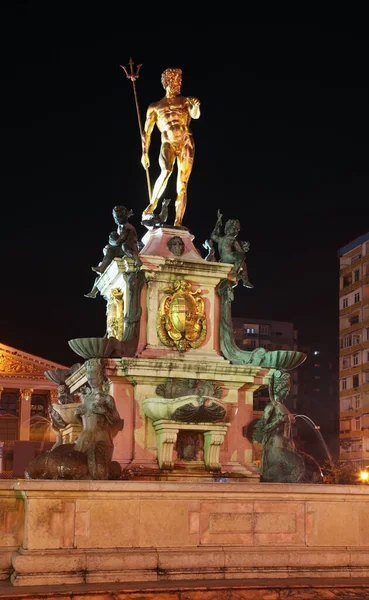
pixel 364 476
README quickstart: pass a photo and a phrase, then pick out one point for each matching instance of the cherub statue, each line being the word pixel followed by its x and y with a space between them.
pixel 122 242
pixel 232 250
pixel 209 246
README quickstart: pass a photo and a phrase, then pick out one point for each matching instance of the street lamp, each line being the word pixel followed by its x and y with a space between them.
pixel 364 475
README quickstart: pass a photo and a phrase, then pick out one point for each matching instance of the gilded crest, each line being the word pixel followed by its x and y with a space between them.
pixel 181 320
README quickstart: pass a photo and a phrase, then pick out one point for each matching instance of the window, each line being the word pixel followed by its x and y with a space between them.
pixel 347 280
pixel 347 404
pixel 8 404
pixel 355 359
pixel 39 405
pixel 265 329
pixel 365 376
pixel 357 401
pixel 357 275
pixel 250 330
pixel 367 333
pixel 346 362
pixel 354 319
pixel 366 268
pixel 355 381
pixel 367 356
pixel 249 343
pixel 346 341
pixel 344 302
pixel 355 339
pixel 357 423
pixel 357 297
pixel 344 384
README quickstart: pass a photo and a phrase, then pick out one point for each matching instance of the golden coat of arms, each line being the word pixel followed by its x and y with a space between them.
pixel 181 320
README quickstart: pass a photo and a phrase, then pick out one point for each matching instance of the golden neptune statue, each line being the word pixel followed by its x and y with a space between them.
pixel 172 116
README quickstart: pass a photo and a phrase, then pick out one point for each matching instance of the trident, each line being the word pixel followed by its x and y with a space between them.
pixel 133 76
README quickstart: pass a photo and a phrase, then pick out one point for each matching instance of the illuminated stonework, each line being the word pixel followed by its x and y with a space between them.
pixel 114 319
pixel 11 365
pixel 181 320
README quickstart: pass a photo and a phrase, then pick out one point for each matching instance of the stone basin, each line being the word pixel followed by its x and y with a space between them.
pixel 66 411
pixel 168 408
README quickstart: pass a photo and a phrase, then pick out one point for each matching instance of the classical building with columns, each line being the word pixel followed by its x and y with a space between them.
pixel 25 395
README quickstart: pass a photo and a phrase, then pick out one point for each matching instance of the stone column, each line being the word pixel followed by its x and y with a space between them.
pixel 1 456
pixel 25 413
pixel 1 443
pixel 53 396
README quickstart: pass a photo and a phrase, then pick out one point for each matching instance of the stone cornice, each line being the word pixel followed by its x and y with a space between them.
pixel 141 369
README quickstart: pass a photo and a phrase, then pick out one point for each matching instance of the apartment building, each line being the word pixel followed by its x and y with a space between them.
pixel 354 351
pixel 271 335
pixel 313 385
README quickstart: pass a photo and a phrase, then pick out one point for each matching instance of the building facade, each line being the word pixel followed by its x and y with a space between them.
pixel 318 400
pixel 313 394
pixel 25 395
pixel 271 335
pixel 354 351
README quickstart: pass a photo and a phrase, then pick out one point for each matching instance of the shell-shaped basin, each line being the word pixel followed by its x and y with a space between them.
pixel 283 359
pixel 92 347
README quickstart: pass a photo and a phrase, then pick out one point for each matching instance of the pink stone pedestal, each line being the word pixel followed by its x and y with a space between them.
pixel 66 532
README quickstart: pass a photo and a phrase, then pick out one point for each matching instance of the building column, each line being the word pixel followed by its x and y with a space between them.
pixel 25 396
pixel 1 456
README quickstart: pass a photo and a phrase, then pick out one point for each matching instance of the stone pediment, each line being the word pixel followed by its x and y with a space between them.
pixel 18 364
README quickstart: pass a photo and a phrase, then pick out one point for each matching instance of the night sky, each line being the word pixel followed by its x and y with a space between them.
pixel 281 144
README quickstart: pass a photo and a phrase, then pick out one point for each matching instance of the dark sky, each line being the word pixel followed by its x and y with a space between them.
pixel 281 144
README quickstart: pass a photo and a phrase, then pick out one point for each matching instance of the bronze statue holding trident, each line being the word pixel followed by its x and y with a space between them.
pixel 154 220
pixel 172 116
